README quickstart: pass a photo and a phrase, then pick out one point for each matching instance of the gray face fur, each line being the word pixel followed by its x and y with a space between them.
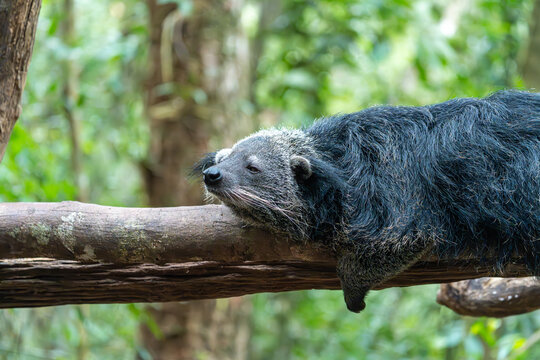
pixel 259 179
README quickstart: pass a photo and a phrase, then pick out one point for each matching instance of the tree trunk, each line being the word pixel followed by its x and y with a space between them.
pixel 531 66
pixel 18 21
pixel 198 84
pixel 199 80
pixel 70 97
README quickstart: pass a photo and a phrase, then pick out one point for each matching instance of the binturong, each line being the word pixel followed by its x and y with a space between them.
pixel 387 185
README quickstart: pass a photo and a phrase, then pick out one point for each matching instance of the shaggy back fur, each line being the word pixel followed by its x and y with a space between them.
pixel 384 185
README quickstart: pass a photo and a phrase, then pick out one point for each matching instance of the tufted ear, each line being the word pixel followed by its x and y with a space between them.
pixel 203 164
pixel 222 155
pixel 301 167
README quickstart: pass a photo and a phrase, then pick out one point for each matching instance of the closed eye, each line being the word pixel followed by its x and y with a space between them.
pixel 252 169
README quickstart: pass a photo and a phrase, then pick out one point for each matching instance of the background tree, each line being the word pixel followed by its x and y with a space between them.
pixel 198 86
pixel 531 69
pixel 19 20
pixel 70 97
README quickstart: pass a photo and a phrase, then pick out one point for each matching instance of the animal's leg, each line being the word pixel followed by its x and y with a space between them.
pixel 360 270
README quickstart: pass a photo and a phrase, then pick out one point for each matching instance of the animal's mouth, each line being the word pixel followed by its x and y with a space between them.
pixel 259 211
pixel 229 197
pixel 241 197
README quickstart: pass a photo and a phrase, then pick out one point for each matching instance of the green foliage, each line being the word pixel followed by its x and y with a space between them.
pixel 28 170
pixel 109 55
pixel 329 56
pixel 397 324
pixel 69 332
pixel 318 58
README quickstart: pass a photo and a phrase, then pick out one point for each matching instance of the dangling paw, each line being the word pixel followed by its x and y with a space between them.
pixel 354 297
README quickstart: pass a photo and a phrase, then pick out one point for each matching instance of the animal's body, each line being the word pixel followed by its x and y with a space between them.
pixel 387 184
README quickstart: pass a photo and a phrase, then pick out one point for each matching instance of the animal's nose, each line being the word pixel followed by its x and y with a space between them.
pixel 212 176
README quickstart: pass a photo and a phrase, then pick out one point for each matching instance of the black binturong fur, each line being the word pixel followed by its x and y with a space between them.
pixel 385 185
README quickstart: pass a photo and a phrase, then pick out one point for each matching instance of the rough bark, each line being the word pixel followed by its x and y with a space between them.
pixel 94 233
pixel 18 21
pixel 45 282
pixel 496 297
pixel 190 253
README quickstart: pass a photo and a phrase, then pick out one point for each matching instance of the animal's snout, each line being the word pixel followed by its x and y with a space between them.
pixel 212 176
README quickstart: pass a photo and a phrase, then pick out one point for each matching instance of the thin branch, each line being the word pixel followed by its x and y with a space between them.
pixel 496 297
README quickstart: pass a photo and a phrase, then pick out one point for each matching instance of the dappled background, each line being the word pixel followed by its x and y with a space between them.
pixel 123 95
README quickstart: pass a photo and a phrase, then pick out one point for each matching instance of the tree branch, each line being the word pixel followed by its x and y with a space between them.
pixel 496 297
pixel 101 254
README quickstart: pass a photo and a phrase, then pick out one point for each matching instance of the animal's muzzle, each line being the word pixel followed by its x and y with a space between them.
pixel 212 176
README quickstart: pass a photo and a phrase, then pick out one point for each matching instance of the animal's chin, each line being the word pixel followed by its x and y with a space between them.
pixel 214 193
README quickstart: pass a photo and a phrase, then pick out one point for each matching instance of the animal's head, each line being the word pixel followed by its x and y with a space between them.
pixel 271 179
